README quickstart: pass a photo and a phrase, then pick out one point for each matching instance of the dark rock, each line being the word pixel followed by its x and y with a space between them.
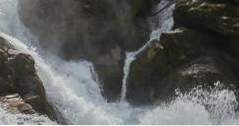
pixel 18 75
pixel 207 15
pixel 204 71
pixel 141 7
pixel 89 28
pixel 235 1
pixel 97 30
pixel 217 18
pixel 109 67
pixel 111 78
pixel 182 59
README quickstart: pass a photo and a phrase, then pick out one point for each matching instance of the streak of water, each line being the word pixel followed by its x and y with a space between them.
pixel 164 23
pixel 72 91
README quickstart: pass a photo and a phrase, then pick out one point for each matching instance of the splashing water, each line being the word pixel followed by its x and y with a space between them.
pixel 7 118
pixel 76 96
pixel 199 106
pixel 78 99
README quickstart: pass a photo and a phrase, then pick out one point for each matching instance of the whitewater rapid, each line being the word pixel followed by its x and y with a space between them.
pixel 73 92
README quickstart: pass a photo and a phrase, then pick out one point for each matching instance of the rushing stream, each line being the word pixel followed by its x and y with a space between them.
pixel 71 89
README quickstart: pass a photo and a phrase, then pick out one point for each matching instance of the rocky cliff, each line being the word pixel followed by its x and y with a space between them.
pixel 18 76
pixel 97 30
pixel 201 50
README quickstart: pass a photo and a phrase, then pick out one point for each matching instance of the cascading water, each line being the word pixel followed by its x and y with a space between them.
pixel 164 23
pixel 71 89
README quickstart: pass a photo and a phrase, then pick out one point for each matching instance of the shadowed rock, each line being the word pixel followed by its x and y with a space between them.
pixel 181 60
pixel 18 75
pixel 96 30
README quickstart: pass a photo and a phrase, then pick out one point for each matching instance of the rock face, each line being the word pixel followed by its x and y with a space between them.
pixel 85 29
pixel 201 50
pixel 97 30
pixel 235 1
pixel 182 59
pixel 18 75
pixel 221 18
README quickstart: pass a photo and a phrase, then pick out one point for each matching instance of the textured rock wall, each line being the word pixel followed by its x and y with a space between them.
pixel 202 49
pixel 97 30
pixel 18 75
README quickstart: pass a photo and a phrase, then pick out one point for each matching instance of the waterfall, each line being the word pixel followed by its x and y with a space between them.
pixel 163 22
pixel 72 90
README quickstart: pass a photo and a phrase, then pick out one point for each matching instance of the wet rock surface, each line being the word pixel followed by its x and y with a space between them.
pixel 18 75
pixel 97 30
pixel 218 17
pixel 182 59
pixel 200 50
pixel 86 29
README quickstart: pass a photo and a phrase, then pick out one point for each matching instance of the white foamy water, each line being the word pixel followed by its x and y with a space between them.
pixel 73 92
pixel 199 106
pixel 7 118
